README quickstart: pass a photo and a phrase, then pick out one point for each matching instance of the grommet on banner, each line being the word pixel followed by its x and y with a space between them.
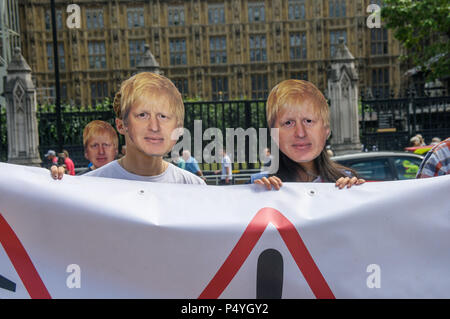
pixel 312 192
pixel 141 192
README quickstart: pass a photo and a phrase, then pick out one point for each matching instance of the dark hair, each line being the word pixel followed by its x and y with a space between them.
pixel 328 170
pixel 287 94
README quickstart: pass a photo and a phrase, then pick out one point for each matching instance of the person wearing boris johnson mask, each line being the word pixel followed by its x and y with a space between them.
pixel 100 142
pixel 149 114
pixel 300 113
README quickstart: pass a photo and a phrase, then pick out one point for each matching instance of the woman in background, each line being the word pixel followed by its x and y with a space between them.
pixel 300 112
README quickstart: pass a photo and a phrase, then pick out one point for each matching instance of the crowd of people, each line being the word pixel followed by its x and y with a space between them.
pixel 418 140
pixel 149 109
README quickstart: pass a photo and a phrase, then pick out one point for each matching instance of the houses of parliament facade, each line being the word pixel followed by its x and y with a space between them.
pixel 211 50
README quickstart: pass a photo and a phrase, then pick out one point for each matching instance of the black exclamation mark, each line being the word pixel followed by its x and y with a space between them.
pixel 7 284
pixel 269 275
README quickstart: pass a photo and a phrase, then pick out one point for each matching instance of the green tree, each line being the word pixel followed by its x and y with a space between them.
pixel 423 28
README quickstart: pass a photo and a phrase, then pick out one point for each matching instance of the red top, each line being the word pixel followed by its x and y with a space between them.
pixel 70 166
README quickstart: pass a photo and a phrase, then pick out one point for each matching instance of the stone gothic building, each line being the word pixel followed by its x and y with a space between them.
pixel 212 50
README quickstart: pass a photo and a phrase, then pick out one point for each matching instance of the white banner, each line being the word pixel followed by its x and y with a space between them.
pixel 87 237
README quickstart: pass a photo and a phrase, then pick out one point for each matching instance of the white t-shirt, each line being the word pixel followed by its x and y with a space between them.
pixel 226 162
pixel 172 174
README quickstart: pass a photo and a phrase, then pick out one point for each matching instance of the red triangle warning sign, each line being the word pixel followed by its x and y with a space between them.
pixel 21 262
pixel 247 242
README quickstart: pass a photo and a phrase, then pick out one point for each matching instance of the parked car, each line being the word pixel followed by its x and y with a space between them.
pixel 382 166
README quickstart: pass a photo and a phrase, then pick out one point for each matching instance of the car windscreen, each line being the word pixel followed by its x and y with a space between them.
pixel 371 169
pixel 406 167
